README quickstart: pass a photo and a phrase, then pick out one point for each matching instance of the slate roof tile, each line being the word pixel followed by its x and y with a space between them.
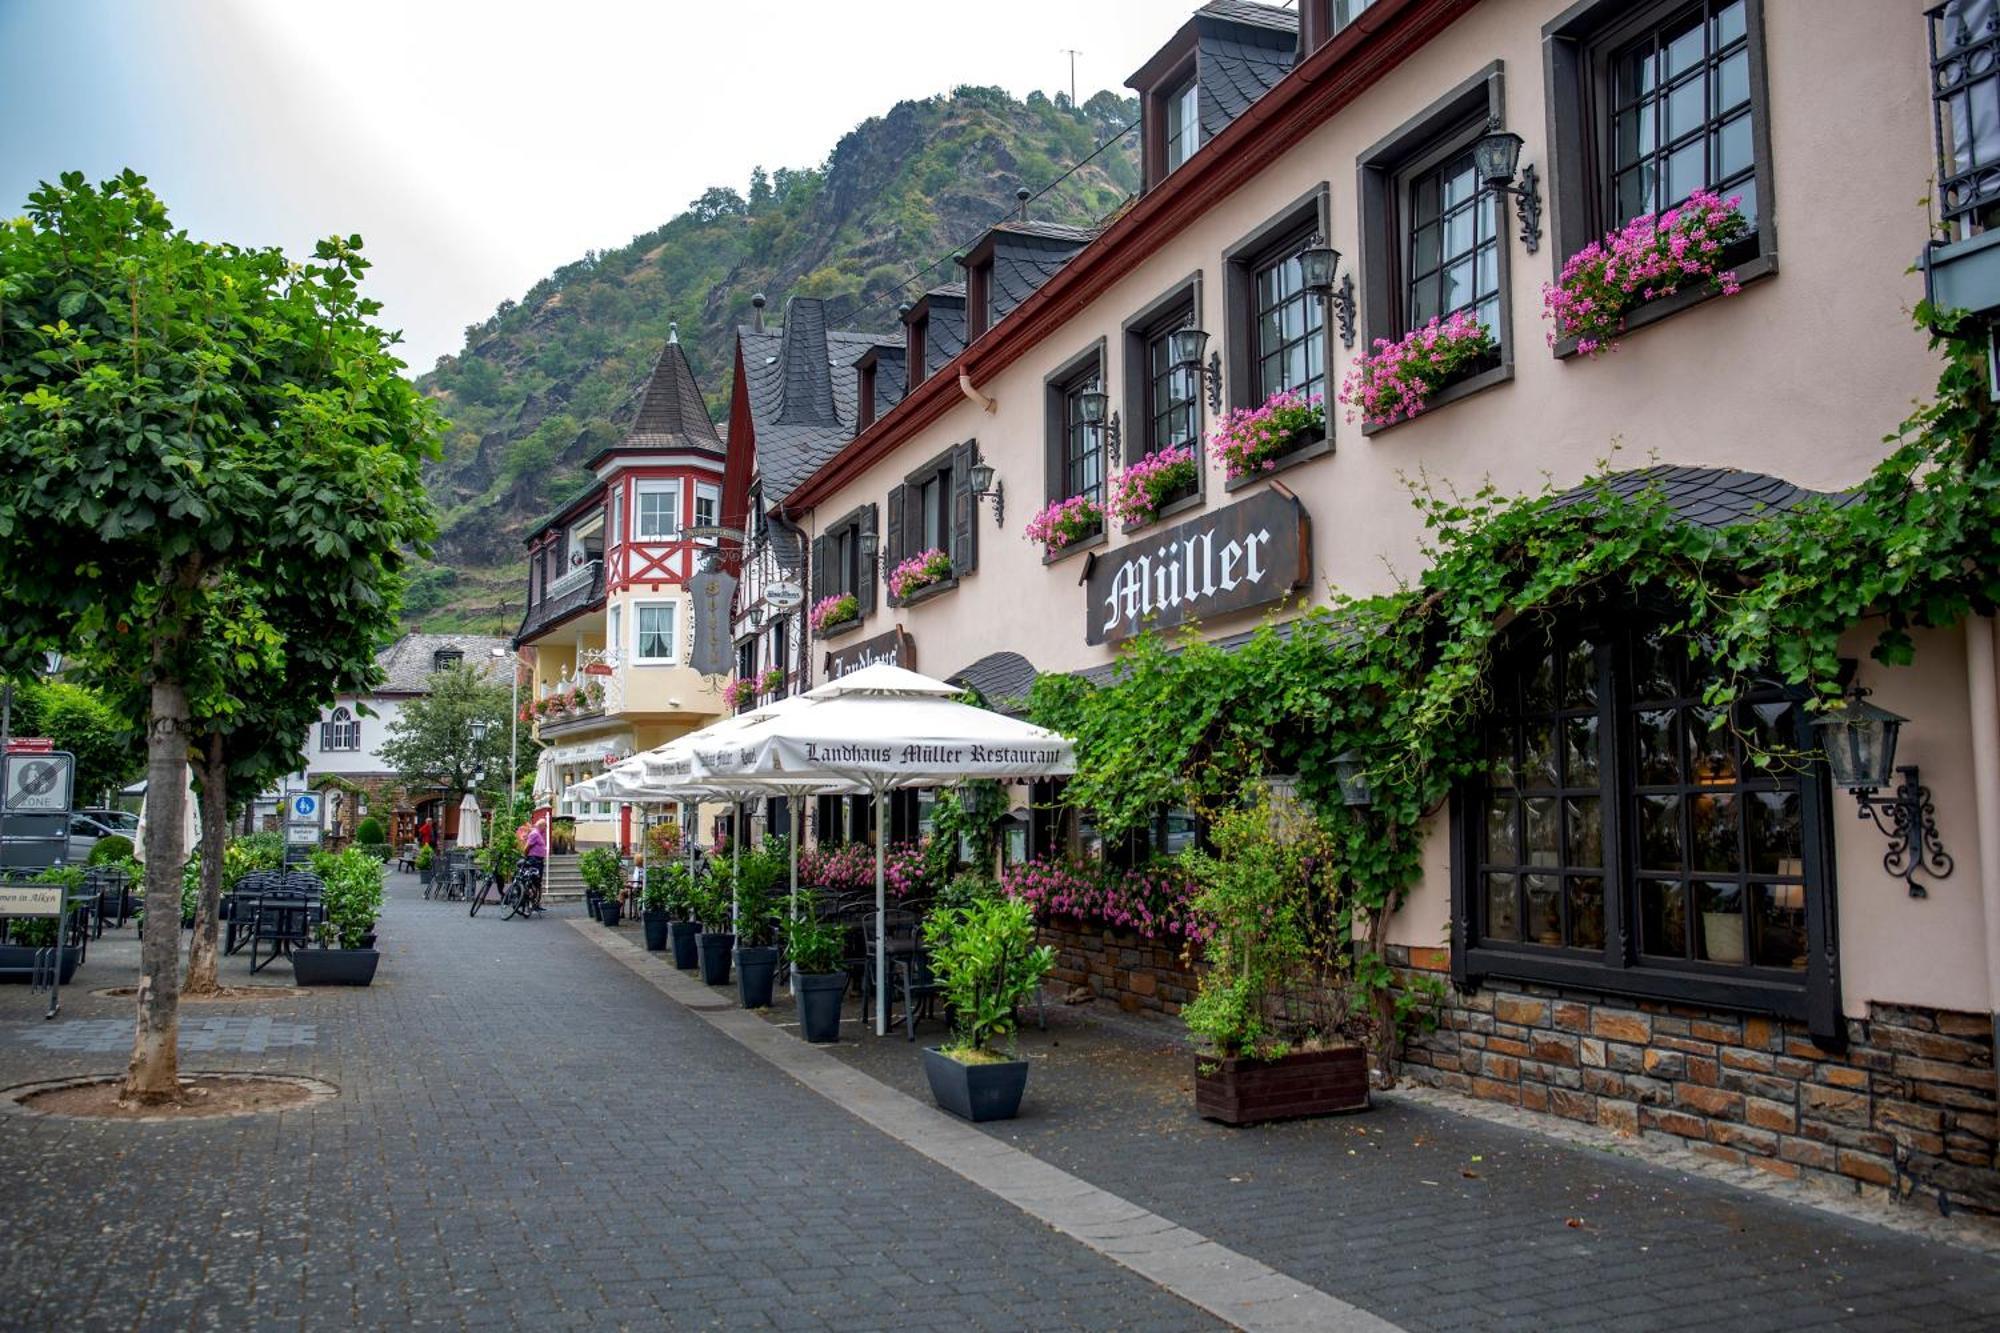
pixel 407 664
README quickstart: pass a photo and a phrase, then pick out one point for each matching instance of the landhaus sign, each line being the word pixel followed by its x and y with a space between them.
pixel 1255 551
pixel 895 648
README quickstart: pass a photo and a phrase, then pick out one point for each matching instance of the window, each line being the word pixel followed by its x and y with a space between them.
pixel 838 566
pixel 929 515
pixel 932 510
pixel 614 632
pixel 340 731
pixel 1622 837
pixel 1451 251
pixel 781 650
pixel 655 624
pixel 1650 103
pixel 1083 443
pixel 1346 11
pixel 1288 344
pixel 444 659
pixel 1173 395
pixel 919 330
pixel 658 517
pixel 1183 123
pixel 1163 402
pixel 707 508
pixel 1965 92
pixel 617 515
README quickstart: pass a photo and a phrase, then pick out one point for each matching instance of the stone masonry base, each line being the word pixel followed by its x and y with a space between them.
pixel 1133 972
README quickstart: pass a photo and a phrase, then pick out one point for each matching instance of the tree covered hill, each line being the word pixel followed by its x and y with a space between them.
pixel 548 379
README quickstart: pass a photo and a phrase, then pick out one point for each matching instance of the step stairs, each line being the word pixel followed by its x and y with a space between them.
pixel 562 881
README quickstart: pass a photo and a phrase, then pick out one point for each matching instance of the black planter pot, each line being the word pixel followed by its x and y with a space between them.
pixel 334 967
pixel 368 940
pixel 591 902
pixel 681 935
pixel 818 995
pixel 715 948
pixel 655 922
pixel 607 911
pixel 427 873
pixel 756 969
pixel 22 956
pixel 976 1092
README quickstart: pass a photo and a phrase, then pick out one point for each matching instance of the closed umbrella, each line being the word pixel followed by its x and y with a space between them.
pixel 470 832
pixel 883 728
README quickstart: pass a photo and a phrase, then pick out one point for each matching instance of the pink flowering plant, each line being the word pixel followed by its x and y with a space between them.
pixel 830 611
pixel 1396 380
pixel 1648 258
pixel 1138 492
pixel 738 692
pixel 1060 522
pixel 847 868
pixel 771 681
pixel 1250 439
pixel 919 571
pixel 1155 900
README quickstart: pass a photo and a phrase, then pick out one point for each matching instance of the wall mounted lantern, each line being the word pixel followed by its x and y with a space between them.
pixel 987 486
pixel 1318 263
pixel 870 543
pixel 1860 744
pixel 1351 771
pixel 1496 157
pixel 1184 348
pixel 1093 409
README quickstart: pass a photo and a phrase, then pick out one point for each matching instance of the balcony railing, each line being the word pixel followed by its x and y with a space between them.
pixel 1965 96
pixel 575 591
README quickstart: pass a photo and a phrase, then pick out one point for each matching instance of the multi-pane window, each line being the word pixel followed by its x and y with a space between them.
pixel 1183 123
pixel 1614 793
pixel 1346 11
pixel 1680 113
pixel 929 515
pixel 340 731
pixel 1082 442
pixel 1172 397
pixel 659 512
pixel 1965 90
pixel 1288 348
pixel 654 627
pixel 707 507
pixel 1452 246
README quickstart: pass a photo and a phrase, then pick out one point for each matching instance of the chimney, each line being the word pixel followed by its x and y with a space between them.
pixel 1022 195
pixel 757 312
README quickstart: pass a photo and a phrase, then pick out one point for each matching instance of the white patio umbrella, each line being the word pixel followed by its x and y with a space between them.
pixel 471 833
pixel 882 728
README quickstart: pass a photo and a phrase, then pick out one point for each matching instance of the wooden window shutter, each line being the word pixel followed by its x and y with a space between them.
pixel 823 579
pixel 865 593
pixel 964 509
pixel 892 545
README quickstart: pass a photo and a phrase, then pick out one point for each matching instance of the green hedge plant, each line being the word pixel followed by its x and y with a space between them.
pixel 987 963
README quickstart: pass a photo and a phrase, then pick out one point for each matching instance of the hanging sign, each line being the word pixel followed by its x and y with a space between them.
pixel 38 782
pixel 896 648
pixel 1255 551
pixel 709 652
pixel 784 596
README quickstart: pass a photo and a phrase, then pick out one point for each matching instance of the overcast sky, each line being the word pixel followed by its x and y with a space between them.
pixel 478 144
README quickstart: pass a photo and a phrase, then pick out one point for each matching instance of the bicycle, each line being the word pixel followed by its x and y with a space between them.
pixel 527 891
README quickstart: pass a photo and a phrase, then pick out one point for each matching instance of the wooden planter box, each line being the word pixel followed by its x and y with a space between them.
pixel 1242 1091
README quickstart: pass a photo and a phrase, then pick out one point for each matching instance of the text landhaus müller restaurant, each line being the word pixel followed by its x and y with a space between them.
pixel 912 755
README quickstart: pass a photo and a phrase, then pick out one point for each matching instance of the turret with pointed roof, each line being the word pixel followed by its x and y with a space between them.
pixel 671 413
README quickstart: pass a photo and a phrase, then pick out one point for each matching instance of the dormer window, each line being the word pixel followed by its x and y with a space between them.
pixel 1183 123
pixel 864 396
pixel 978 299
pixel 918 330
pixel 444 659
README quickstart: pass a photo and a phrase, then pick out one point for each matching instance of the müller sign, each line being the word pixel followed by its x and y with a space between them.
pixel 1255 551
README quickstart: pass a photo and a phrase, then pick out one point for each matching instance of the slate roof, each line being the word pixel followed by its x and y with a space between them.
pixel 1244 50
pixel 671 414
pixel 891 373
pixel 1024 260
pixel 944 329
pixel 1272 17
pixel 1002 679
pixel 801 384
pixel 1048 231
pixel 407 664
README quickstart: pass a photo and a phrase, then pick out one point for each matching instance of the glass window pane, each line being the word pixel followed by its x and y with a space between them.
pixel 1456 288
pixel 1778 922
pixel 1634 73
pixel 1719 937
pixel 1632 136
pixel 1731 86
pixel 1656 672
pixel 1502 842
pixel 1635 193
pixel 1540 693
pixel 1458 232
pixel 1775 835
pixel 1660 833
pixel 1687 171
pixel 1544 903
pixel 1714 820
pixel 1539 768
pixel 1586 911
pixel 1684 51
pixel 1460 183
pixel 1500 756
pixel 1727 25
pixel 1711 748
pixel 1662 918
pixel 1659 754
pixel 1580 751
pixel 1503 920
pixel 1687 107
pixel 1424 249
pixel 1424 301
pixel 1541 831
pixel 1731 148
pixel 1584 817
pixel 1745 191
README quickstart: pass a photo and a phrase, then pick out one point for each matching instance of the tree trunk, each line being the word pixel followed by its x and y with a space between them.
pixel 202 950
pixel 152 1075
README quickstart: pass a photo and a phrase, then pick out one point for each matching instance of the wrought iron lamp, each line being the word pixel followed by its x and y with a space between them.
pixel 1318 263
pixel 1350 769
pixel 1860 744
pixel 1093 409
pixel 870 543
pixel 1496 158
pixel 480 726
pixel 1184 348
pixel 987 486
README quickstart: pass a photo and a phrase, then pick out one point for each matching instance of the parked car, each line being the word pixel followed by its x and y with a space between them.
pixel 118 821
pixel 85 828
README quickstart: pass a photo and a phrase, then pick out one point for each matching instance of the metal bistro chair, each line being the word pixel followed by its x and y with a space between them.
pixel 284 920
pixel 238 909
pixel 899 945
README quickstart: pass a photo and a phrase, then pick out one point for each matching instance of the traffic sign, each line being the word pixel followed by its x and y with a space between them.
pixel 305 807
pixel 30 745
pixel 37 783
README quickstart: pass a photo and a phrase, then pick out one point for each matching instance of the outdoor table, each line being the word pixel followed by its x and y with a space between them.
pixel 282 921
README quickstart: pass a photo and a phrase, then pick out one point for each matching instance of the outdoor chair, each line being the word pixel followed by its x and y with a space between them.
pixel 284 921
pixel 915 982
pixel 901 943
pixel 406 858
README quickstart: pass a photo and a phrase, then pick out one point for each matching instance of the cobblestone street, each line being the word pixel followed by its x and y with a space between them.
pixel 528 1133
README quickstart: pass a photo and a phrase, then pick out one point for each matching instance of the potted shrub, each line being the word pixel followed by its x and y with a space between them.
pixel 1147 486
pixel 653 911
pixel 1648 258
pixel 923 570
pixel 1250 440
pixel 601 873
pixel 1060 524
pixel 819 982
pixel 426 864
pixel 986 962
pixel 1396 380
pixel 346 955
pixel 832 613
pixel 678 887
pixel 709 901
pixel 28 936
pixel 1274 1011
pixel 756 922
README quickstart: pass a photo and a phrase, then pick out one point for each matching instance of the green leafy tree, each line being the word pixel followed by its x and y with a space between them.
pixel 182 421
pixel 82 721
pixel 430 742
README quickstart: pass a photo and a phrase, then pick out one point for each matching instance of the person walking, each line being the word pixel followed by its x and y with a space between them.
pixel 427 834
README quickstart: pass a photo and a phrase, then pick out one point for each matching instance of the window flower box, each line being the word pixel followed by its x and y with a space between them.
pixel 1250 440
pixel 831 613
pixel 1063 523
pixel 738 692
pixel 1149 485
pixel 1647 259
pixel 918 572
pixel 1396 380
pixel 771 681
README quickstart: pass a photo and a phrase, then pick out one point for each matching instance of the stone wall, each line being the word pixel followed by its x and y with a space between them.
pixel 1135 972
pixel 1907 1110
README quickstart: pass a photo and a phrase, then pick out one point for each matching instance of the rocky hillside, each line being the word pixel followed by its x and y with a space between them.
pixel 547 379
